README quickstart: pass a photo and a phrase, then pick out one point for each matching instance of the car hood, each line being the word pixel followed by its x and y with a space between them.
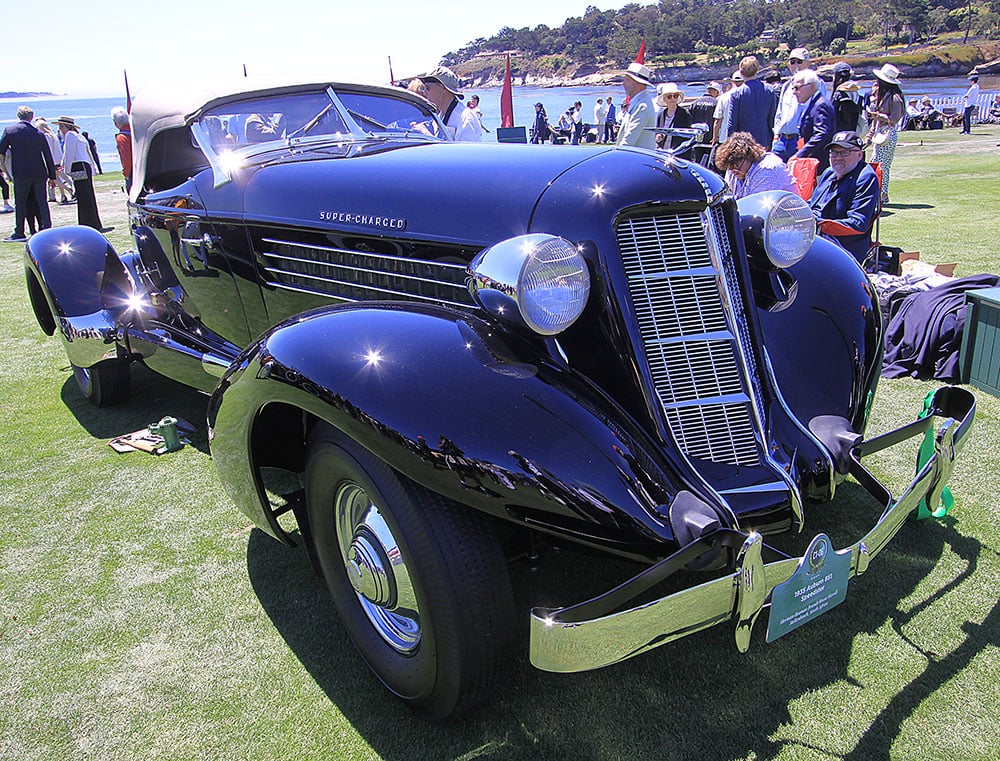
pixel 452 192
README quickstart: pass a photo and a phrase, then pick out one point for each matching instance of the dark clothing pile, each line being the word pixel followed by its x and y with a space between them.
pixel 925 335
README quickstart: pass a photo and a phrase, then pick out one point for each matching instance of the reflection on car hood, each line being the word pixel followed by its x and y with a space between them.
pixel 452 192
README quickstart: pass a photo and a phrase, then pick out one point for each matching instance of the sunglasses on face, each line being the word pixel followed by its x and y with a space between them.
pixel 795 60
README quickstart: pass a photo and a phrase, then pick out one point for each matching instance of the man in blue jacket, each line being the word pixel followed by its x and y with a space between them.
pixel 846 199
pixel 753 105
pixel 818 121
pixel 31 168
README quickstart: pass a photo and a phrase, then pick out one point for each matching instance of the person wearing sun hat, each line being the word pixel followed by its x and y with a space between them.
pixel 886 109
pixel 668 99
pixel 845 201
pixel 639 122
pixel 445 91
pixel 79 164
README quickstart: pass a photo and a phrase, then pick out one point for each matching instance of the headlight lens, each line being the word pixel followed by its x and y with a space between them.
pixel 539 281
pixel 789 230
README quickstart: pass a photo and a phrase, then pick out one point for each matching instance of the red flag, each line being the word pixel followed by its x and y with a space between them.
pixel 641 56
pixel 507 100
pixel 128 95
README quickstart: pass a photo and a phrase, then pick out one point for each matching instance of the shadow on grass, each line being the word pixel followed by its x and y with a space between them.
pixel 695 698
pixel 152 397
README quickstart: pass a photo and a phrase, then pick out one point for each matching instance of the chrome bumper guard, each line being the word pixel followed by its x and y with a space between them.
pixel 598 632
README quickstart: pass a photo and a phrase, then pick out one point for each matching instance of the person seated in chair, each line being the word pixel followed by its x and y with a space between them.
pixel 846 199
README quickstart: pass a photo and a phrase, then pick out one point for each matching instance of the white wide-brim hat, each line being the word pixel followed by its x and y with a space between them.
pixel 888 73
pixel 665 89
pixel 640 73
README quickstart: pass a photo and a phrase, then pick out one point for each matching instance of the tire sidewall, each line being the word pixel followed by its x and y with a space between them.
pixel 414 677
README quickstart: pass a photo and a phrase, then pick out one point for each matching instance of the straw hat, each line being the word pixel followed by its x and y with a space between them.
pixel 668 88
pixel 640 73
pixel 67 121
pixel 888 73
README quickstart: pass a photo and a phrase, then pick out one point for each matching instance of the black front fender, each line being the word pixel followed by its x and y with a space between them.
pixel 470 412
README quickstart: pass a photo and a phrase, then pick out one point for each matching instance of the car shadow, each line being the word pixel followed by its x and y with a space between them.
pixel 694 698
pixel 153 397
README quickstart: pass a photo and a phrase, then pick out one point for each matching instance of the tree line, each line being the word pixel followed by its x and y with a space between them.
pixel 674 29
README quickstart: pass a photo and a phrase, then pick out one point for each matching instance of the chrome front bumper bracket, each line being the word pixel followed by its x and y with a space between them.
pixel 601 631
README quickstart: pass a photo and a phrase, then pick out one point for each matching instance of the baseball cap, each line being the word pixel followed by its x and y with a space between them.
pixel 846 139
pixel 800 53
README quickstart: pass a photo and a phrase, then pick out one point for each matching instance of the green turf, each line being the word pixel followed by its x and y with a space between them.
pixel 141 617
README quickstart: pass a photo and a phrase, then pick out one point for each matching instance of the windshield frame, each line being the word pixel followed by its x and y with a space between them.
pixel 225 161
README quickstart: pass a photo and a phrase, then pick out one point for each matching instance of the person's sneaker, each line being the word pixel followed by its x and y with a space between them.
pixel 15 238
pixel 7 209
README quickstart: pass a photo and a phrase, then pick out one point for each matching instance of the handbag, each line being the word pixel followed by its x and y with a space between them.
pixel 79 174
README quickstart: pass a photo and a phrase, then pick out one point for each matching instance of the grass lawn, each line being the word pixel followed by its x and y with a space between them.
pixel 141 617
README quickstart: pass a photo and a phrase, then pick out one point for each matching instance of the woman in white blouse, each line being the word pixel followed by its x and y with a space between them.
pixel 80 164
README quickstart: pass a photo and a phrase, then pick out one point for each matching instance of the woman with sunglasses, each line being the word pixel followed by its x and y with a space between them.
pixel 670 114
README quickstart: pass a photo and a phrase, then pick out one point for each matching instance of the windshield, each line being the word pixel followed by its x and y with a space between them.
pixel 232 132
pixel 376 113
pixel 344 114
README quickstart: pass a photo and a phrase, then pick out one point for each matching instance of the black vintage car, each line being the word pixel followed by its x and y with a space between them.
pixel 461 351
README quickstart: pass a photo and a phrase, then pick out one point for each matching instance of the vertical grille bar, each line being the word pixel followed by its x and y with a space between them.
pixel 691 341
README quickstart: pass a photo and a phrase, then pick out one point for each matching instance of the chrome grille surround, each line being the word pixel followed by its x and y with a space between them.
pixel 362 275
pixel 681 280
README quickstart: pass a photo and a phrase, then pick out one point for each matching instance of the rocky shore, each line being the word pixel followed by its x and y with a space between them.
pixel 489 72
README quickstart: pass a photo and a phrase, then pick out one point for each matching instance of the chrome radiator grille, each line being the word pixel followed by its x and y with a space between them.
pixel 696 358
pixel 362 275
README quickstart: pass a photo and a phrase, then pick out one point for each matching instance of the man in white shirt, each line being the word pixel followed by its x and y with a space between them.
pixel 600 114
pixel 720 129
pixel 443 91
pixel 786 120
pixel 970 100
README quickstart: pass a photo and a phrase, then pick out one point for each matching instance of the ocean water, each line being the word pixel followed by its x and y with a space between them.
pixel 93 114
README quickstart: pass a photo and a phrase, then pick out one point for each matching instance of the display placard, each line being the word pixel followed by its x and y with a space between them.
pixel 818 584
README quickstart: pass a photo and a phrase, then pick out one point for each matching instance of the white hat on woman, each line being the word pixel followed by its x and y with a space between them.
pixel 668 88
pixel 888 73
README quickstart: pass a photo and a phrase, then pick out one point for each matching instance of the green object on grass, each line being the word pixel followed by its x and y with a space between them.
pixel 947 501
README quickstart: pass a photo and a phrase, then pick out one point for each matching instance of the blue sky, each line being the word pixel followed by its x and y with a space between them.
pixel 82 53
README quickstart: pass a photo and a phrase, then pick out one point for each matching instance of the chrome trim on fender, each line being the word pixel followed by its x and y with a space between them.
pixel 598 633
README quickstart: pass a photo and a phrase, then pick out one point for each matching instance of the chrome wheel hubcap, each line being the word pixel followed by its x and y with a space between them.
pixel 376 569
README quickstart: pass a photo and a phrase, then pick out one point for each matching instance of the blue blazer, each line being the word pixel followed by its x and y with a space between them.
pixel 817 128
pixel 29 152
pixel 752 109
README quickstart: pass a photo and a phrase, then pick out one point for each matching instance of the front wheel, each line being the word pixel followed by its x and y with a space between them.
pixel 419 582
pixel 106 383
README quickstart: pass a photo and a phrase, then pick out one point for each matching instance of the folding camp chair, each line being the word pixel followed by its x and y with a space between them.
pixel 804 170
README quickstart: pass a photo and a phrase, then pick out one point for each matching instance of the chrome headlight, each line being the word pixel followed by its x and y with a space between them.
pixel 538 281
pixel 780 222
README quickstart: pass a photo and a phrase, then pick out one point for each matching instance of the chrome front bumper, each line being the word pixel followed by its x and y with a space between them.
pixel 599 632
